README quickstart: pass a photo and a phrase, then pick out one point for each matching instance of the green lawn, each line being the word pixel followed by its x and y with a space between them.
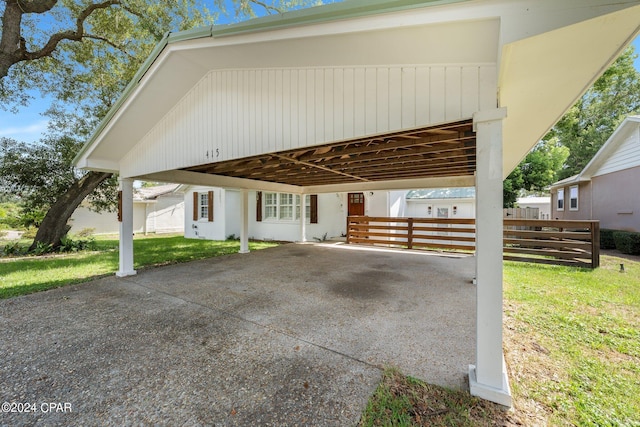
pixel 572 339
pixel 32 274
pixel 572 345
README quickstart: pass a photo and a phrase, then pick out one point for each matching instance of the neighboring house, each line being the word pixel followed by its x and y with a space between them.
pixel 607 188
pixel 213 213
pixel 442 203
pixel 158 209
pixel 543 204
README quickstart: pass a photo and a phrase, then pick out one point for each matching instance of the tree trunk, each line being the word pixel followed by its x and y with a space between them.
pixel 54 225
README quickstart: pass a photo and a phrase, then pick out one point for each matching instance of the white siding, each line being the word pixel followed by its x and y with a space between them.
pixel 237 113
pixel 203 229
pixel 625 157
pixel 165 215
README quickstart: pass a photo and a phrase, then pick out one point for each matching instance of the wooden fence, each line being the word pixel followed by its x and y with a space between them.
pixel 573 243
pixel 413 233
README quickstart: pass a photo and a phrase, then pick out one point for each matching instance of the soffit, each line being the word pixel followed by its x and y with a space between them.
pixel 446 150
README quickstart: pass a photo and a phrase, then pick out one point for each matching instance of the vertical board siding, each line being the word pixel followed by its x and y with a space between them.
pixel 238 113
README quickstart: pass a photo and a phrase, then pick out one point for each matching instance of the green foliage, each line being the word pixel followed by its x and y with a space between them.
pixel 577 348
pixel 42 248
pixel 67 244
pixel 627 242
pixel 511 187
pixel 29 233
pixel 10 216
pixel 405 401
pixel 592 120
pixel 14 249
pixel 40 173
pixel 580 133
pixel 606 239
pixel 536 172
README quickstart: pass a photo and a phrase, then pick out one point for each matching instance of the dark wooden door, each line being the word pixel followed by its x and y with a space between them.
pixel 356 204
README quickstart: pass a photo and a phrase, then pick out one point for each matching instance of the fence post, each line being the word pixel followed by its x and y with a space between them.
pixel 410 233
pixel 348 230
pixel 595 244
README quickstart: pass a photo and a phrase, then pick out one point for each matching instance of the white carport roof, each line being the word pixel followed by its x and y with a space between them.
pixel 547 52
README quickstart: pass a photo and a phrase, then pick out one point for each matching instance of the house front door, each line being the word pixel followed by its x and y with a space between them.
pixel 356 204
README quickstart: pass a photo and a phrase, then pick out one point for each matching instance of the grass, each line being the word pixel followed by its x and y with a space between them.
pixel 405 401
pixel 31 274
pixel 571 338
pixel 572 341
pixel 572 345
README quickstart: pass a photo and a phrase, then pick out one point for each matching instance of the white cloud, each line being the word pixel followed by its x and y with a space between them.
pixel 29 132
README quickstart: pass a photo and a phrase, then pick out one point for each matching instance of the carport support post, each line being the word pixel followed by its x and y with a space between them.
pixel 244 225
pixel 488 378
pixel 126 228
pixel 303 218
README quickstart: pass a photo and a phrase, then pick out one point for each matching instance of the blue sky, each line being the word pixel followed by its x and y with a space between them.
pixel 29 123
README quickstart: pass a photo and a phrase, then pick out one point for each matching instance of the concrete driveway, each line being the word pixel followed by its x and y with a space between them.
pixel 294 335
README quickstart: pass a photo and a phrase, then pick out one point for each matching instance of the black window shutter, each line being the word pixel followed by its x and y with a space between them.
pixel 259 206
pixel 313 202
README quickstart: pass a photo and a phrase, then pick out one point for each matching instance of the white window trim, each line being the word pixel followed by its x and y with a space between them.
pixel 571 208
pixel 558 208
pixel 203 205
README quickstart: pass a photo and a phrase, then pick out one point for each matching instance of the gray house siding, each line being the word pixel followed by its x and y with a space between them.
pixel 617 199
pixel 583 210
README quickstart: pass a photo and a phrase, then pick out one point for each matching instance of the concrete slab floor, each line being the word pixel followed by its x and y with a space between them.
pixel 294 335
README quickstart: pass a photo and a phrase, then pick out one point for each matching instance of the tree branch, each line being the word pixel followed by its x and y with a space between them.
pixel 267 7
pixel 110 43
pixel 36 6
pixel 72 35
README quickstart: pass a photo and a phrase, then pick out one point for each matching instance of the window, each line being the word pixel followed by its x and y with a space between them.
pixel 573 198
pixel 270 206
pixel 204 206
pixel 286 207
pixel 560 206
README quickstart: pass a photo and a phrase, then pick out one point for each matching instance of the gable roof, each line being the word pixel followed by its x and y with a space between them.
pixel 152 193
pixel 547 53
pixel 442 193
pixel 608 149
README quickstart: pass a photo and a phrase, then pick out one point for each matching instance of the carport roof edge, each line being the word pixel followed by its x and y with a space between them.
pixel 316 14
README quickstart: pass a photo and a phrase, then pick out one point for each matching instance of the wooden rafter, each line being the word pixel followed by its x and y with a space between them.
pixel 437 151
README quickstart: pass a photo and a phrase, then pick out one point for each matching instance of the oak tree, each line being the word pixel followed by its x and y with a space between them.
pixel 82 53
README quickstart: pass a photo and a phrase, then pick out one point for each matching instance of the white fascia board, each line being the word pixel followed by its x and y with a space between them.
pixel 398 184
pixel 208 180
pixel 98 165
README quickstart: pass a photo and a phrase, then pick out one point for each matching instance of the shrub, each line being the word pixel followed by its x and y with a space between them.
pixel 627 242
pixel 69 245
pixel 42 248
pixel 606 239
pixel 13 248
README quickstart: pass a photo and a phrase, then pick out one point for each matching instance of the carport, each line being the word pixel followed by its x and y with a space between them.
pixel 362 96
